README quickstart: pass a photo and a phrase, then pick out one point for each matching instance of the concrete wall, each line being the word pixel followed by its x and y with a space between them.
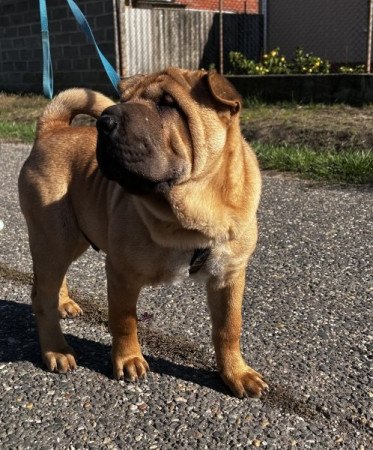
pixel 75 61
pixel 332 29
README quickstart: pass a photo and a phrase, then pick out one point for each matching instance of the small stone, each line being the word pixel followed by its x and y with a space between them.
pixel 29 405
pixel 256 443
pixel 180 400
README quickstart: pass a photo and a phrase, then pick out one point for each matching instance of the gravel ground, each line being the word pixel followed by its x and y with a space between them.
pixel 306 327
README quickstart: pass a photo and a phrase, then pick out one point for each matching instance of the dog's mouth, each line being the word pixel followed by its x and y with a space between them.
pixel 133 182
pixel 131 150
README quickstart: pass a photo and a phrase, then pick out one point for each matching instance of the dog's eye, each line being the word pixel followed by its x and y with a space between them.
pixel 167 100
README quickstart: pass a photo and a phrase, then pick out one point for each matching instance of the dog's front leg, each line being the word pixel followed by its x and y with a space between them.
pixel 123 292
pixel 225 305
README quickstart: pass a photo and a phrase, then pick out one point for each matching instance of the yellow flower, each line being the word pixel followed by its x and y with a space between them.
pixel 310 70
pixel 273 53
pixel 317 63
pixel 282 59
pixel 265 56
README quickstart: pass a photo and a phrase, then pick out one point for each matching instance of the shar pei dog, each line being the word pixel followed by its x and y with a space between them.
pixel 167 187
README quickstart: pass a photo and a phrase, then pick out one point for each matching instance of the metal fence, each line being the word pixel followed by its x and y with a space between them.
pixel 200 33
pixel 149 35
pixel 157 35
pixel 337 30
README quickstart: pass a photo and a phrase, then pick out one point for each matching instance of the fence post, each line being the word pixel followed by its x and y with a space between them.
pixel 117 42
pixel 264 12
pixel 221 40
pixel 369 43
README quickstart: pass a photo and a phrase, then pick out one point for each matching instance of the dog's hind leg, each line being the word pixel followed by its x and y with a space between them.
pixel 51 257
pixel 67 307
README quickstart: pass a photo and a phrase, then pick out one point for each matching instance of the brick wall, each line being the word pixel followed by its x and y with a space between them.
pixel 75 62
pixel 249 6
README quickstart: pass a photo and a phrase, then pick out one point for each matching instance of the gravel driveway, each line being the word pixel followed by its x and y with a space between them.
pixel 307 319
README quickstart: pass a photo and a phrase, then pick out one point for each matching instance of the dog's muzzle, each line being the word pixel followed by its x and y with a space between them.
pixel 131 149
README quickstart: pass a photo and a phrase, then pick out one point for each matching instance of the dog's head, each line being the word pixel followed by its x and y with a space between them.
pixel 169 128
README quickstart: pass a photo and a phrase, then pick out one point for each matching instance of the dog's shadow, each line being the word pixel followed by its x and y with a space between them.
pixel 19 342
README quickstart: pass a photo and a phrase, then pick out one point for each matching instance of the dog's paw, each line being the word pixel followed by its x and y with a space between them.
pixel 62 361
pixel 130 368
pixel 245 383
pixel 69 309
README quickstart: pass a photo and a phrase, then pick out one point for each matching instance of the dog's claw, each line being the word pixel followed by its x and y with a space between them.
pixel 69 309
pixel 60 362
pixel 130 369
pixel 246 383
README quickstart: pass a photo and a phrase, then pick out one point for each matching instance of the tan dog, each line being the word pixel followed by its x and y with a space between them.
pixel 173 193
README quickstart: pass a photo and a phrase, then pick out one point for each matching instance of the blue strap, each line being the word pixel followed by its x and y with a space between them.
pixel 47 60
pixel 79 16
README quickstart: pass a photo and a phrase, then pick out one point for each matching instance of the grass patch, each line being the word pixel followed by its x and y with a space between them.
pixel 17 132
pixel 18 115
pixel 330 142
pixel 316 126
pixel 346 167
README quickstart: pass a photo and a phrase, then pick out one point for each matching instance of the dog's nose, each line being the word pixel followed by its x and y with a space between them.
pixel 106 124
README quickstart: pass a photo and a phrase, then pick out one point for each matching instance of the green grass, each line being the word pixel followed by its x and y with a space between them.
pixel 17 132
pixel 345 167
pixel 329 142
pixel 18 115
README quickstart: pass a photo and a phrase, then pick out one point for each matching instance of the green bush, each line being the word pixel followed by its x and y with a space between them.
pixel 352 69
pixel 272 62
pixel 308 63
pixel 275 63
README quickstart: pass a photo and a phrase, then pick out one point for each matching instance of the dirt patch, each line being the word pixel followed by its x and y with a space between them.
pixel 337 127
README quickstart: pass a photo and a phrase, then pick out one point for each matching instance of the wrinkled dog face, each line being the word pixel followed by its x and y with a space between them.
pixel 164 131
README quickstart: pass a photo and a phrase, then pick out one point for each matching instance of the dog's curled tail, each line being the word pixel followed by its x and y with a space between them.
pixel 66 105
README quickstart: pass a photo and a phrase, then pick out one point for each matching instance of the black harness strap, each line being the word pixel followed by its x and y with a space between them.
pixel 199 258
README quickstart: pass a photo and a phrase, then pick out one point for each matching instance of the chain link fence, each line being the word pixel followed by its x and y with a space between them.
pixel 336 30
pixel 142 36
pixel 154 34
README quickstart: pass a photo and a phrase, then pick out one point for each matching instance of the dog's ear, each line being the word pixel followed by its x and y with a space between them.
pixel 223 91
pixel 128 85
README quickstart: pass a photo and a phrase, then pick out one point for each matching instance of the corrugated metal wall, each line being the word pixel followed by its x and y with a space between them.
pixel 152 39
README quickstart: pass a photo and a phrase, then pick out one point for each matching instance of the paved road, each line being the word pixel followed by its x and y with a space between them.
pixel 307 312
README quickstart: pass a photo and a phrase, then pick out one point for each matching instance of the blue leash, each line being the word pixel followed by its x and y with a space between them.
pixel 47 67
pixel 47 61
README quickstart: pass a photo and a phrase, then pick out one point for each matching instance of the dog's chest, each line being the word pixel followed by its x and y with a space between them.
pixel 196 265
